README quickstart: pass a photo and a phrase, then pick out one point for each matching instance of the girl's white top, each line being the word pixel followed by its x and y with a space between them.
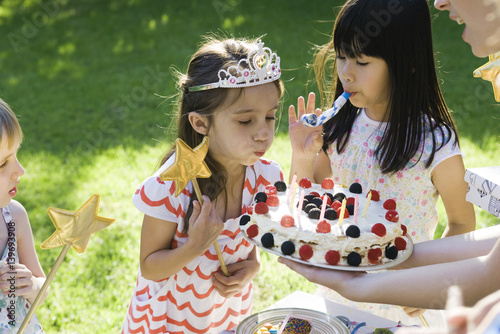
pixel 412 187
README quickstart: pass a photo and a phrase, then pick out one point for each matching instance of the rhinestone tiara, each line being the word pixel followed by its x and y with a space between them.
pixel 261 66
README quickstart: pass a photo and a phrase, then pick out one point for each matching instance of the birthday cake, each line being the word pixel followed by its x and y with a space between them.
pixel 326 224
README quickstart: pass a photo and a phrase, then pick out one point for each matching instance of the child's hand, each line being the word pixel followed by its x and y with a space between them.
pixel 205 225
pixel 17 280
pixel 240 274
pixel 306 141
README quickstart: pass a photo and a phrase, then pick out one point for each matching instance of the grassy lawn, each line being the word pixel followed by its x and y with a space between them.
pixel 86 79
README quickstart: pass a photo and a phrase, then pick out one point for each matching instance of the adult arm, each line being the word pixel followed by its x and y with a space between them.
pixel 422 287
pixel 455 248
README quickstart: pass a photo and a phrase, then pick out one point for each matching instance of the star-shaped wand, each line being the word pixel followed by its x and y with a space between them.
pixel 491 72
pixel 189 164
pixel 73 229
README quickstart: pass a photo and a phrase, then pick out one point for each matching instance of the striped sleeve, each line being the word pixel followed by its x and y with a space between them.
pixel 156 198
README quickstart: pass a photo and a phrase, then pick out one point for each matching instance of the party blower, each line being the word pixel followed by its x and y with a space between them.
pixel 311 120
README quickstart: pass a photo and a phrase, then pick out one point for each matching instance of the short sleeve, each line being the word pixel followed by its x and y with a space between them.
pixel 156 198
pixel 449 149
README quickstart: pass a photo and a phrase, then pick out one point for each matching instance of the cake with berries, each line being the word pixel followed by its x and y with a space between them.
pixel 326 224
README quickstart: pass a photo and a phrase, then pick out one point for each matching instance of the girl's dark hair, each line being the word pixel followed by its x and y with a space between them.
pixel 398 32
pixel 213 55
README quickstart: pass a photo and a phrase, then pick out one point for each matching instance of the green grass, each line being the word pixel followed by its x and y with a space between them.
pixel 84 78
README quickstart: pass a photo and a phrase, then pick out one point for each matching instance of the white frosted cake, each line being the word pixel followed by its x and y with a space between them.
pixel 316 233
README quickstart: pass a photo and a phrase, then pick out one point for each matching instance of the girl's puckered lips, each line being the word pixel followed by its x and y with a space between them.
pixel 13 192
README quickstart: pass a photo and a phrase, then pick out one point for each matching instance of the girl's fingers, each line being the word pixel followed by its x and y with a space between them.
pixel 215 219
pixel 311 102
pixel 17 271
pixel 195 214
pixel 292 117
pixel 24 291
pixel 9 268
pixel 15 283
pixel 301 107
pixel 207 206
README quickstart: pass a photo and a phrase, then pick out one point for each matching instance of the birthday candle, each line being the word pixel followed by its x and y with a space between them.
pixel 323 208
pixel 367 204
pixel 295 186
pixel 301 202
pixel 292 186
pixel 356 205
pixel 342 211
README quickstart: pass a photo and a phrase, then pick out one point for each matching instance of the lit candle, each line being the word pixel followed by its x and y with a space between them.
pixel 367 204
pixel 342 211
pixel 323 208
pixel 299 209
pixel 292 187
pixel 295 186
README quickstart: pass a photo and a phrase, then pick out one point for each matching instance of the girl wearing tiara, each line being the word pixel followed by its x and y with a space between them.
pixel 231 94
pixel 395 134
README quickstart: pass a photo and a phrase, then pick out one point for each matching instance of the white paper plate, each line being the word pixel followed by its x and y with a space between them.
pixel 322 323
pixel 402 256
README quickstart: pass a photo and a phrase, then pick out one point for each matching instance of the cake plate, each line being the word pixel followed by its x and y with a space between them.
pixel 321 323
pixel 402 256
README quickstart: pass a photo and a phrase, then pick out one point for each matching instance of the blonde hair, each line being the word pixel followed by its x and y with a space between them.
pixel 9 125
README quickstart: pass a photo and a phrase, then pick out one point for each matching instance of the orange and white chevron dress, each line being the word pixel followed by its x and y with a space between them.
pixel 187 302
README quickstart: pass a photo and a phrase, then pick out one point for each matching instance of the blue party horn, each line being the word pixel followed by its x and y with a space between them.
pixel 311 120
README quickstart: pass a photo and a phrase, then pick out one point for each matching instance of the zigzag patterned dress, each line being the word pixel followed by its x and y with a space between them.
pixel 187 302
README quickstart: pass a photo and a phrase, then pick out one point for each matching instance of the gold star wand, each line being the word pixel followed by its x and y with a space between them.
pixel 491 72
pixel 189 164
pixel 73 229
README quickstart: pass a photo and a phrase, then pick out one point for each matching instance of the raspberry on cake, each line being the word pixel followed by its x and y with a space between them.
pixel 284 227
pixel 327 183
pixel 306 252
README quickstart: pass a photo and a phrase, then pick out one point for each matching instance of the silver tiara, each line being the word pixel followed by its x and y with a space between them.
pixel 261 66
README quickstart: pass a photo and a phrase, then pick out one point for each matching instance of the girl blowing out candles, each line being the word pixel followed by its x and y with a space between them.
pixel 230 94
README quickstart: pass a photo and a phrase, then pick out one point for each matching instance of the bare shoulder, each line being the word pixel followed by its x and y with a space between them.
pixel 17 210
pixel 19 215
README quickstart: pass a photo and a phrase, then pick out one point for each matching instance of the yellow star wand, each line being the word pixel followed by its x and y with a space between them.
pixel 73 229
pixel 491 72
pixel 189 164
